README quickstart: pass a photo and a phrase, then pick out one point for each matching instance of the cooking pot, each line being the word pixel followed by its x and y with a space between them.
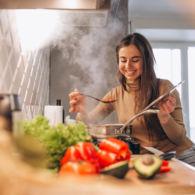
pixel 109 130
pixel 101 132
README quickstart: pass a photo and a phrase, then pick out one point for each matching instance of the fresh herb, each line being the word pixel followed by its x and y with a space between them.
pixel 56 139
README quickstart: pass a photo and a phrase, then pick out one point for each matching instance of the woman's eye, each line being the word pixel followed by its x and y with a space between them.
pixel 123 61
pixel 137 60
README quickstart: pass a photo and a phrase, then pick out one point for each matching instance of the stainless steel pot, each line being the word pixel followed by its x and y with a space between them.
pixel 109 130
pixel 101 132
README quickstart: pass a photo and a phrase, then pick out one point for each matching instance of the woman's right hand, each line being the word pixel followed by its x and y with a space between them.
pixel 77 102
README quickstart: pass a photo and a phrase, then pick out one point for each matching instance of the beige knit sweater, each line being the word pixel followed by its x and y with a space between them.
pixel 172 137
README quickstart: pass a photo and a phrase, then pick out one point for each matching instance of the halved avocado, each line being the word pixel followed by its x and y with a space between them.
pixel 118 169
pixel 147 165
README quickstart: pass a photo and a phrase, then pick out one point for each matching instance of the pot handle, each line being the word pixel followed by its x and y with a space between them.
pixel 149 111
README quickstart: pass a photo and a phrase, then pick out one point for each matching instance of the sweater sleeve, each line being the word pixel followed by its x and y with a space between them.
pixel 174 127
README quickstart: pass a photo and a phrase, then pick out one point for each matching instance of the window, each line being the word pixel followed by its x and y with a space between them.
pixel 168 65
pixel 191 81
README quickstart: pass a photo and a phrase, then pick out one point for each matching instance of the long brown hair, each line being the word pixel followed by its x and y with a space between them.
pixel 148 81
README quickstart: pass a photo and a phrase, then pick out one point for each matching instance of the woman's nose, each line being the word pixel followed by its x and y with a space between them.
pixel 128 63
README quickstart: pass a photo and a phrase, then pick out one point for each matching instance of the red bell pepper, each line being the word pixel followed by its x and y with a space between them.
pixel 88 153
pixel 106 158
pixel 71 154
pixel 87 150
pixel 165 163
pixel 116 146
pixel 77 167
pixel 82 151
pixel 164 169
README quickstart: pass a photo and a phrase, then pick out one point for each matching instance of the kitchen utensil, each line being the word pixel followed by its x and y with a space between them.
pixel 162 97
pixel 168 155
pixel 100 100
pixel 153 104
pixel 101 132
pixel 108 130
pixel 149 111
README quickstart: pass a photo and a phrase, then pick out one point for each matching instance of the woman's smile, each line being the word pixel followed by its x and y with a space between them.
pixel 130 72
pixel 130 62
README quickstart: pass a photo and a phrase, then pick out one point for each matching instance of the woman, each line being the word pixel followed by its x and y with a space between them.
pixel 139 87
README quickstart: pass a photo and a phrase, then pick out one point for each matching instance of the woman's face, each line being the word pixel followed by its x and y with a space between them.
pixel 130 63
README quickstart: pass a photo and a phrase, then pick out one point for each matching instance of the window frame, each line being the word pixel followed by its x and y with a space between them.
pixel 183 46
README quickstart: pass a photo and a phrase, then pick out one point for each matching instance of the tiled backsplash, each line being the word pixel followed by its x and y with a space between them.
pixel 24 74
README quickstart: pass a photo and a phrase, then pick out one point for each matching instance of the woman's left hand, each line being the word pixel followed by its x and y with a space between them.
pixel 166 107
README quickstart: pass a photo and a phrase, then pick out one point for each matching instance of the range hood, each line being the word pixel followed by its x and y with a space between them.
pixel 55 4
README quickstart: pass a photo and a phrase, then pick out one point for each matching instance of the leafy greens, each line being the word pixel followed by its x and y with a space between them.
pixel 56 139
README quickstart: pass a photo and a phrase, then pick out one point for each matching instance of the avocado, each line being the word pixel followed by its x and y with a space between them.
pixel 147 165
pixel 118 169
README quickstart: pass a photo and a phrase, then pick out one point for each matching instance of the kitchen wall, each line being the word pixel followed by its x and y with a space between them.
pixel 23 73
pixel 85 59
pixel 82 56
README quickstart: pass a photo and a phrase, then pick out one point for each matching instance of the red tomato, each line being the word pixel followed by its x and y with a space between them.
pixel 113 145
pixel 106 158
pixel 77 167
pixel 164 169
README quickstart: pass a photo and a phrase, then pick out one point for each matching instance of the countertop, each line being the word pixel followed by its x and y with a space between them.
pixel 18 178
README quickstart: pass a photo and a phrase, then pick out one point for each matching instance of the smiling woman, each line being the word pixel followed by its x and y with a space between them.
pixel 138 87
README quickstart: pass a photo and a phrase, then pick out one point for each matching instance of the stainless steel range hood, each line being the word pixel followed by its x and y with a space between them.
pixel 55 4
pixel 74 12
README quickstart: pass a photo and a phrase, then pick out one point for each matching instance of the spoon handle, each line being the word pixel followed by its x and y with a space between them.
pixel 91 97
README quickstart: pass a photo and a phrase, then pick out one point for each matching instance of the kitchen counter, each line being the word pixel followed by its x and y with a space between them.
pixel 180 180
pixel 18 178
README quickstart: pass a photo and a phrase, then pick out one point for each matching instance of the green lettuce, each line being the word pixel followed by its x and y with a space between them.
pixel 55 139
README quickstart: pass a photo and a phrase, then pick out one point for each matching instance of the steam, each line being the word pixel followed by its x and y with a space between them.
pixel 96 54
pixel 88 49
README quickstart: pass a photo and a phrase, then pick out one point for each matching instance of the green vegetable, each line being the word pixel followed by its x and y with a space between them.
pixel 118 169
pixel 147 166
pixel 55 139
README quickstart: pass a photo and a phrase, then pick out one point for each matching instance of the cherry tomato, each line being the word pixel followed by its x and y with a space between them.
pixel 77 167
